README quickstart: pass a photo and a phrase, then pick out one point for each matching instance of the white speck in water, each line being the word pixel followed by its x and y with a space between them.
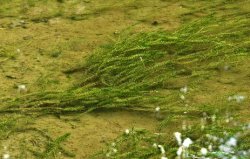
pixel 204 151
pixel 115 150
pixel 213 118
pixel 108 155
pixel 187 142
pixel 216 139
pixel 6 156
pixel 225 148
pixel 141 58
pixel 226 68
pixel 182 97
pixel 203 121
pixel 161 149
pixel 127 131
pixel 178 137
pixel 210 147
pixel 234 157
pixel 179 151
pixel 184 125
pixel 21 88
pixel 230 98
pixel 155 145
pixel 184 90
pixel 204 115
pixel 237 98
pixel 221 140
pixel 231 142
pixel 157 109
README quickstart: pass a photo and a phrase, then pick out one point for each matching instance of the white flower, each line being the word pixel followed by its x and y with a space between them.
pixel 179 151
pixel 187 142
pixel 113 144
pixel 178 137
pixel 161 149
pixel 231 142
pixel 164 157
pixel 127 131
pixel 157 109
pixel 204 151
pixel 6 156
pixel 184 89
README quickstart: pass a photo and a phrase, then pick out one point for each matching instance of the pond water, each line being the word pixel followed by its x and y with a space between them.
pixel 42 39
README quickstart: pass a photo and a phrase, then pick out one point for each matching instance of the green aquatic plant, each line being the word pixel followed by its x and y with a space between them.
pixel 54 148
pixel 6 127
pixel 218 139
pixel 137 71
pixel 19 138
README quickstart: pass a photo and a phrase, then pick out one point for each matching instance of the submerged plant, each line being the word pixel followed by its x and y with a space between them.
pixel 134 72
pixel 216 141
pixel 22 141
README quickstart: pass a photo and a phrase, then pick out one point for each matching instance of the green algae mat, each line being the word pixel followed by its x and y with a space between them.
pixel 134 79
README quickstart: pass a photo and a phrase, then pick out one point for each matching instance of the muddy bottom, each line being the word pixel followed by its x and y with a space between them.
pixel 36 48
pixel 90 132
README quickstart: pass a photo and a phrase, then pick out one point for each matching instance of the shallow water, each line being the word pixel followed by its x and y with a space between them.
pixel 38 43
